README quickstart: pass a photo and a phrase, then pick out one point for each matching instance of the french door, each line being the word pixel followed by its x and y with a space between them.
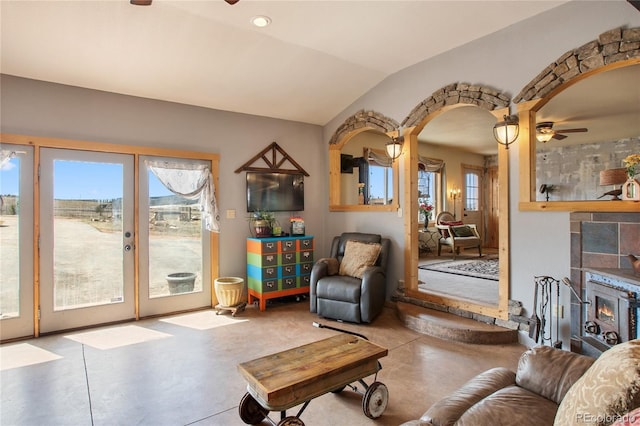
pixel 16 241
pixel 175 247
pixel 95 237
pixel 86 238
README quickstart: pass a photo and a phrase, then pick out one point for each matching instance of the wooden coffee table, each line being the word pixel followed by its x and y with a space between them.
pixel 285 379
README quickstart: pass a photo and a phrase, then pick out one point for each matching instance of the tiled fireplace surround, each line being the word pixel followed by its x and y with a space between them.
pixel 599 240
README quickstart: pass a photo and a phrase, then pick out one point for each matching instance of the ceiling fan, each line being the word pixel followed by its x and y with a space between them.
pixel 545 132
pixel 148 2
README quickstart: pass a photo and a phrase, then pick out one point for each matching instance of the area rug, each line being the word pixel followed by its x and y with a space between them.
pixel 486 268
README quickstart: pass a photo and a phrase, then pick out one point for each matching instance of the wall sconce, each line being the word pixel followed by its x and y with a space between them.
pixel 394 146
pixel 454 193
pixel 506 132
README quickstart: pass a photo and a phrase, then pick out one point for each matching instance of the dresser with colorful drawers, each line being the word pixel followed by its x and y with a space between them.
pixel 277 267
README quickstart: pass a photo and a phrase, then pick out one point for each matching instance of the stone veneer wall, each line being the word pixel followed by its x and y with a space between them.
pixel 612 46
pixel 574 170
pixel 364 119
pixel 456 93
pixel 599 240
pixel 516 320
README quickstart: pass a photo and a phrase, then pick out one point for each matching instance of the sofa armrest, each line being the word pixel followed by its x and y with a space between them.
pixel 319 270
pixel 373 292
pixel 449 409
pixel 550 372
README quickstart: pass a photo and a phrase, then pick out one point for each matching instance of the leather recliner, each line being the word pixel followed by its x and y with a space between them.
pixel 348 298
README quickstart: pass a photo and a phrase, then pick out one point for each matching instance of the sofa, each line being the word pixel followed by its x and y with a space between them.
pixel 549 387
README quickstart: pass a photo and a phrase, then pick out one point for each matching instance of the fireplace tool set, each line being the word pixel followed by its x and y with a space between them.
pixel 544 324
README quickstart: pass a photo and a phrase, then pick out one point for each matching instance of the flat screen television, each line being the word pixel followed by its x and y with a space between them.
pixel 275 192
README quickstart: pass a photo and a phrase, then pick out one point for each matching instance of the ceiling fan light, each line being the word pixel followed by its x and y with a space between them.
pixel 506 132
pixel 544 137
pixel 260 21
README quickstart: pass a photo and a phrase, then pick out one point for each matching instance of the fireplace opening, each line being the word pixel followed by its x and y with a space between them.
pixel 606 310
pixel 610 315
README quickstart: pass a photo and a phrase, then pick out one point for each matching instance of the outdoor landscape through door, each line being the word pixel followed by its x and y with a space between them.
pixel 86 238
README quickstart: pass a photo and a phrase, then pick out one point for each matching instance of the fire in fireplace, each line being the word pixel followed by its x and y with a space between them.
pixel 605 310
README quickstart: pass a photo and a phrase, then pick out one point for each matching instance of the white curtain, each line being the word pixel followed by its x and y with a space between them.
pixel 376 158
pixel 431 165
pixel 191 181
pixel 5 156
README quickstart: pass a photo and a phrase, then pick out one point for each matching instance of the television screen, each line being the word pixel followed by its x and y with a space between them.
pixel 275 192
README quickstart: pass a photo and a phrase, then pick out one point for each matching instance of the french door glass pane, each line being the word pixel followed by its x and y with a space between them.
pixel 175 242
pixel 10 239
pixel 88 247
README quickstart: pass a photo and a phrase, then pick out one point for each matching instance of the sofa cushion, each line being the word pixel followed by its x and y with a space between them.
pixel 550 372
pixel 609 388
pixel 510 406
pixel 448 410
pixel 462 231
pixel 341 288
pixel 445 232
pixel 357 257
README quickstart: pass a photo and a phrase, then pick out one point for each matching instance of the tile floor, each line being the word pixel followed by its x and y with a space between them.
pixel 181 370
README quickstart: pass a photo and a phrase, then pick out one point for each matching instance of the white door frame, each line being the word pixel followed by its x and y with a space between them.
pixel 21 262
pixel 52 319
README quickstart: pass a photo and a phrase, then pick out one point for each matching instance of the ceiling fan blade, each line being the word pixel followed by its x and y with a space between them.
pixel 558 136
pixel 580 130
pixel 232 2
pixel 140 2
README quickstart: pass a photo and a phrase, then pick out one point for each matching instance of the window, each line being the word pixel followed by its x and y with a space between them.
pixel 380 188
pixel 378 177
pixel 426 192
pixel 429 185
pixel 472 191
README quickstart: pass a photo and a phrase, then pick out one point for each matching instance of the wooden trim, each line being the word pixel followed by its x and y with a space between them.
pixel 36 239
pixel 501 310
pixel 335 188
pixel 274 163
pixel 608 206
pixel 527 156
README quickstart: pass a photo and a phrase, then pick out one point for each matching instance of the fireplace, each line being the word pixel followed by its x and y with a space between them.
pixel 611 312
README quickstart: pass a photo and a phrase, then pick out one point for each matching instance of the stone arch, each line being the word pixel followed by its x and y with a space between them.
pixel 456 93
pixel 364 119
pixel 612 46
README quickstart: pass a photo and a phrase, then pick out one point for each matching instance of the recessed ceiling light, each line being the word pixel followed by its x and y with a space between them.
pixel 261 21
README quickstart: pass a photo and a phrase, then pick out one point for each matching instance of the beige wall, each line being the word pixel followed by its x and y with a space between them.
pixel 506 60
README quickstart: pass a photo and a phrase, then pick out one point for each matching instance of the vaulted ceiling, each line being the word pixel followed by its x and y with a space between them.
pixel 313 61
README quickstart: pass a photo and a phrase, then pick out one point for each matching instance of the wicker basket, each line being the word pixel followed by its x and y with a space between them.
pixel 229 290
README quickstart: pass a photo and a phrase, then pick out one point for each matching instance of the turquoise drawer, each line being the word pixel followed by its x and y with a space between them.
pixel 262 273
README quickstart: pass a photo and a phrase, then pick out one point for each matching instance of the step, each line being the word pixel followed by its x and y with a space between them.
pixel 448 326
